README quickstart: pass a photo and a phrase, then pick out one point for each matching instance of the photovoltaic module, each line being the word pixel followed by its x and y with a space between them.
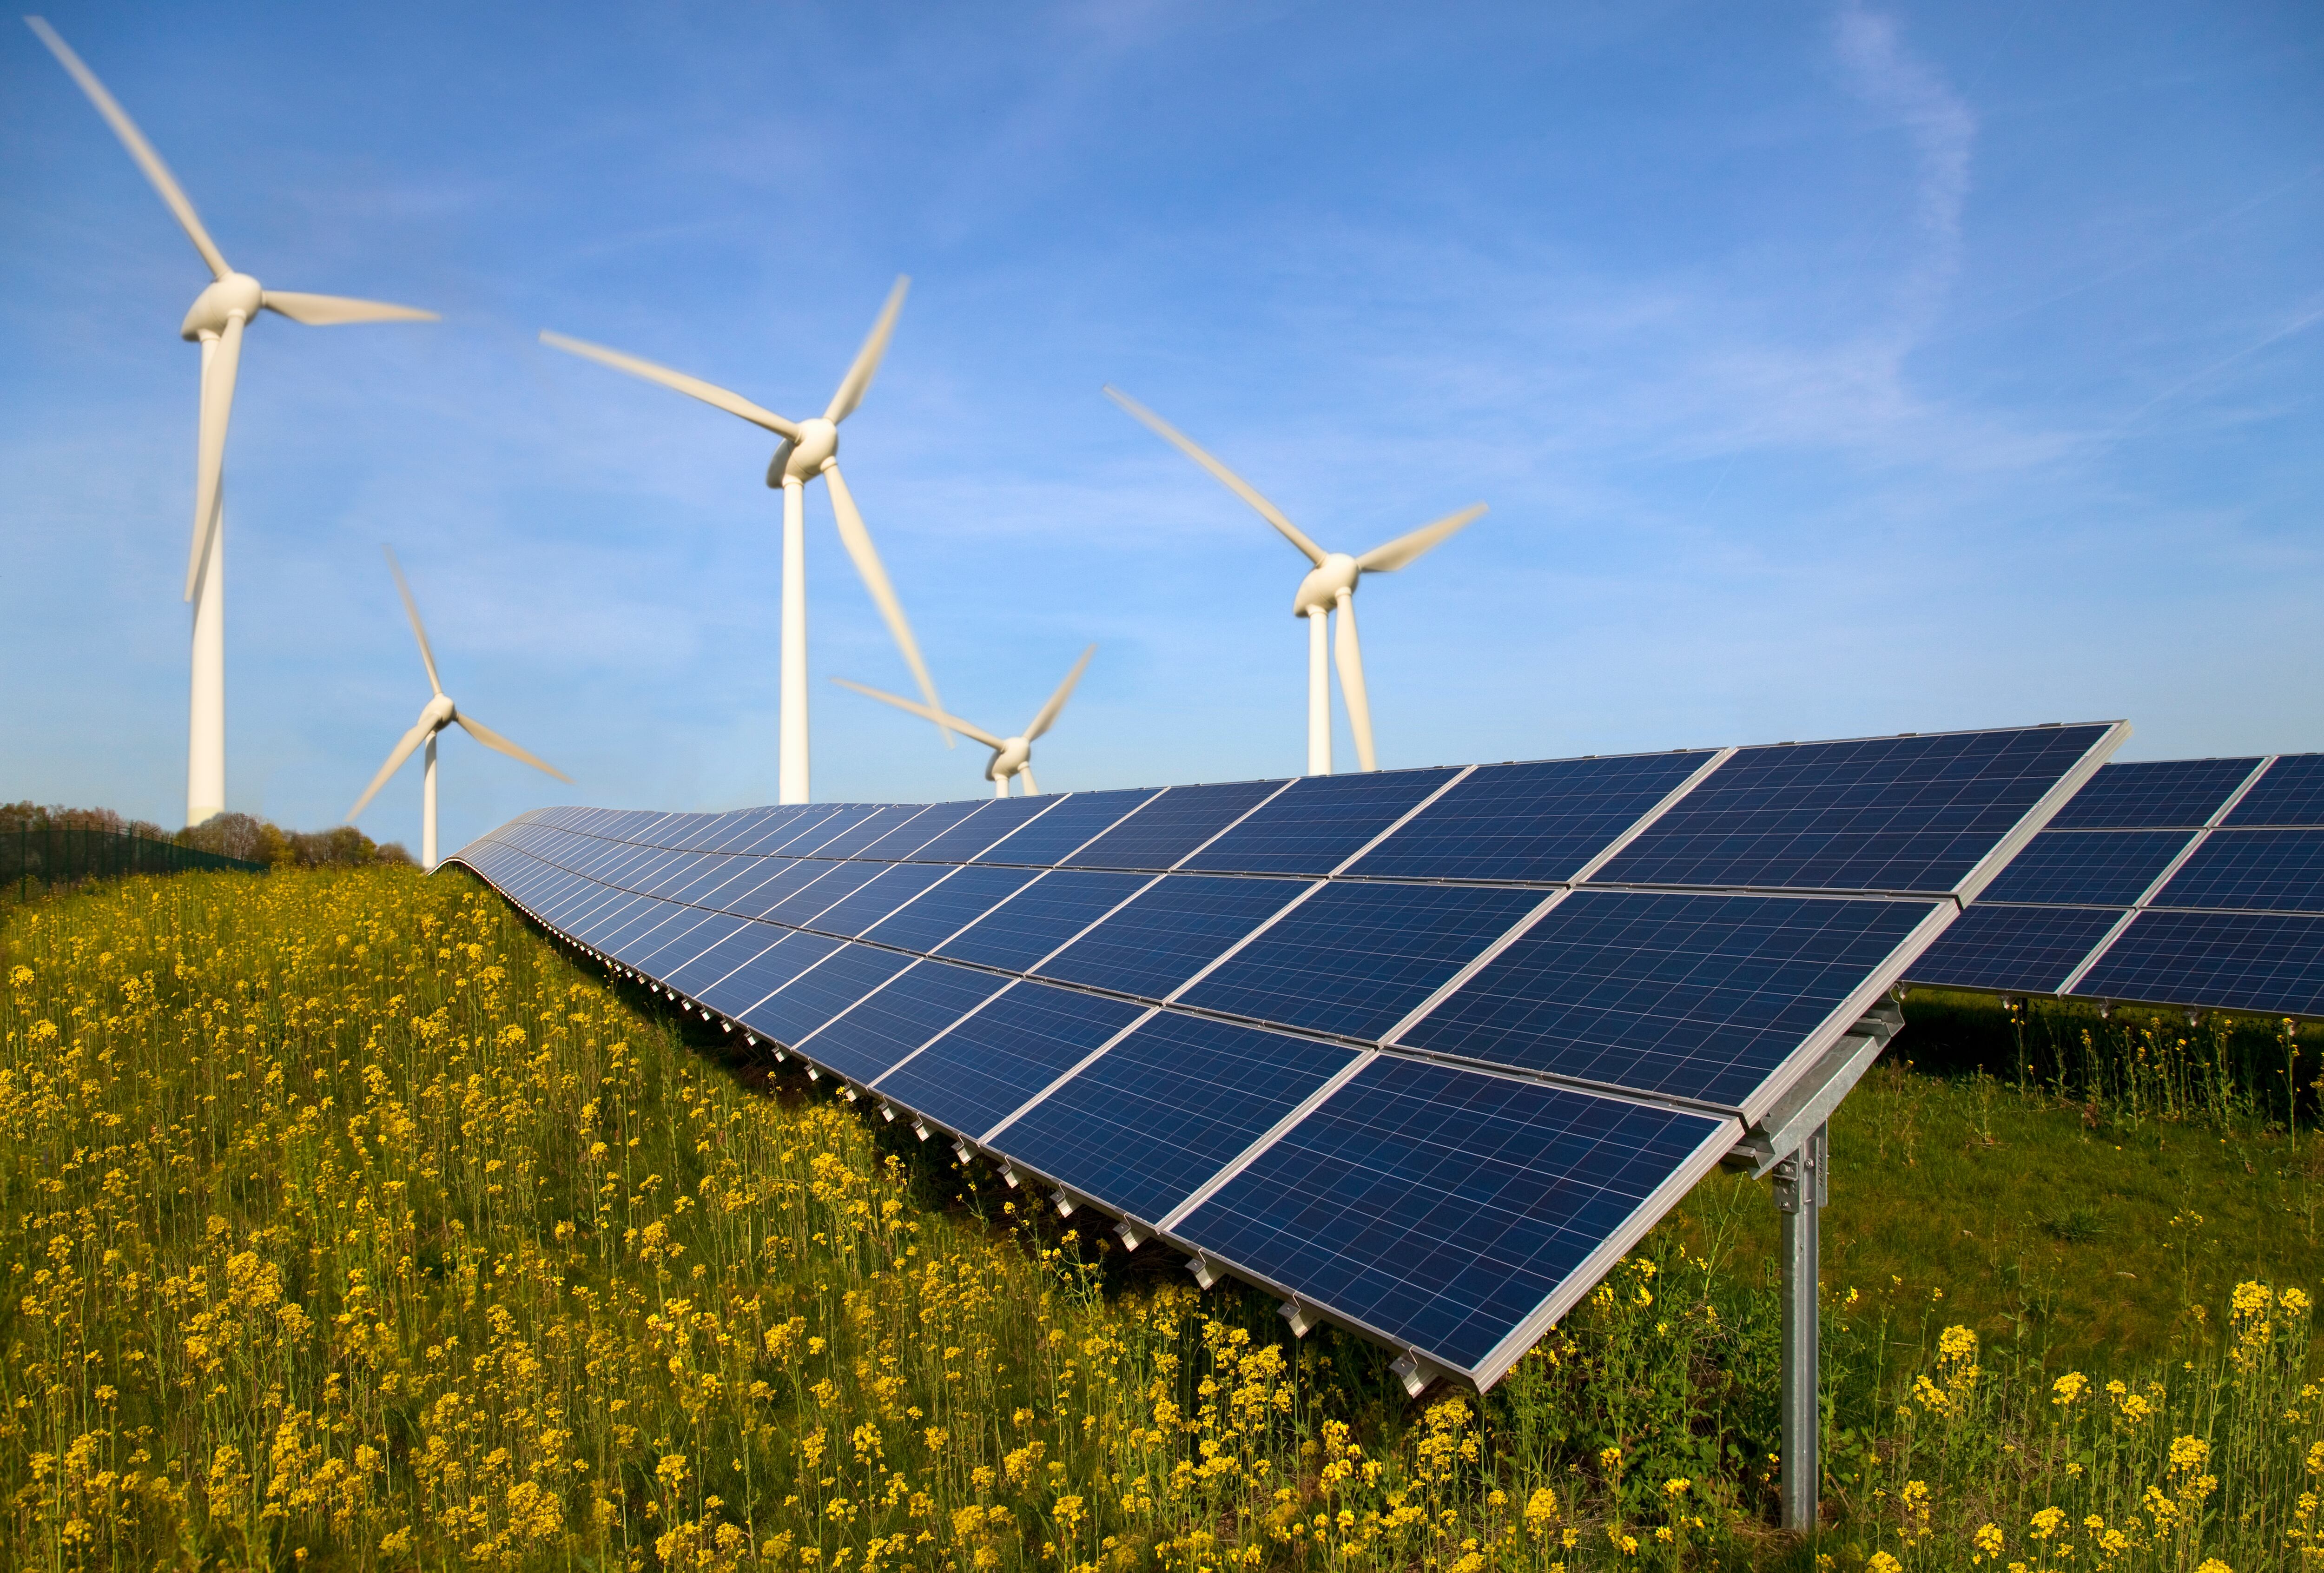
pixel 2196 882
pixel 1423 1052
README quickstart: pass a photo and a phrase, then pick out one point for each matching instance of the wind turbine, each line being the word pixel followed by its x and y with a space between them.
pixel 808 448
pixel 439 713
pixel 216 320
pixel 1329 585
pixel 1011 756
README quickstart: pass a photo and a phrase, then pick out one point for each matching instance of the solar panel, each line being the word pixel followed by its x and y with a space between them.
pixel 2097 868
pixel 1413 1048
pixel 2154 795
pixel 2080 919
pixel 2291 792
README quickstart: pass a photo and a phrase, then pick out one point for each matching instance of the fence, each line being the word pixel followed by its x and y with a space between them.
pixel 51 855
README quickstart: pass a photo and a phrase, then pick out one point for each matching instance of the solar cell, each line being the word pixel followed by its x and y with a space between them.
pixel 1169 931
pixel 739 945
pixel 755 980
pixel 1355 959
pixel 2087 868
pixel 1039 918
pixel 837 882
pixel 1539 821
pixel 1876 814
pixel 921 828
pixel 2011 949
pixel 1693 996
pixel 2291 792
pixel 683 939
pixel 2152 793
pixel 920 1002
pixel 895 884
pixel 779 834
pixel 1166 1109
pixel 1318 822
pixel 977 1074
pixel 821 992
pixel 1050 838
pixel 2271 962
pixel 783 879
pixel 831 831
pixel 1451 1210
pixel 876 824
pixel 990 820
pixel 965 896
pixel 2264 870
pixel 1173 825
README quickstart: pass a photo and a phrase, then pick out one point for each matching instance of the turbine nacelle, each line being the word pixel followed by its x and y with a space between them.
pixel 1321 590
pixel 234 295
pixel 437 713
pixel 803 458
pixel 1013 755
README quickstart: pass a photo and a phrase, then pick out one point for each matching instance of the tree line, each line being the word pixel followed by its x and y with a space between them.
pixel 242 836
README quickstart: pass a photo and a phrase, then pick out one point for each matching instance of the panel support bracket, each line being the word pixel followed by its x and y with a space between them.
pixel 1302 1319
pixel 1133 1235
pixel 1416 1371
pixel 1205 1271
pixel 1809 1103
pixel 1803 1190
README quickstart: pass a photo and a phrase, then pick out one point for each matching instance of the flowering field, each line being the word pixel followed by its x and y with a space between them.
pixel 347 1224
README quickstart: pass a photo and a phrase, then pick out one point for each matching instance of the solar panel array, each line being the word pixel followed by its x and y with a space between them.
pixel 2189 882
pixel 1423 1051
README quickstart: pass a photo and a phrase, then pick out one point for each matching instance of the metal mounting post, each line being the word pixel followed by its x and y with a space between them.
pixel 1803 1188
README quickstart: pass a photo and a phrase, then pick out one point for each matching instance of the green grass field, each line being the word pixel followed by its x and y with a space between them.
pixel 348 1225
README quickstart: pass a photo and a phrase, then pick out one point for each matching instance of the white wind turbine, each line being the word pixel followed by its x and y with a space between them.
pixel 1329 585
pixel 439 713
pixel 808 448
pixel 216 320
pixel 1011 756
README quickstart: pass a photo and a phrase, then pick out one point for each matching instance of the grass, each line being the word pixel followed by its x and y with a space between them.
pixel 347 1224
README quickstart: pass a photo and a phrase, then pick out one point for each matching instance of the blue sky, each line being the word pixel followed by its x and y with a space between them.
pixel 1829 370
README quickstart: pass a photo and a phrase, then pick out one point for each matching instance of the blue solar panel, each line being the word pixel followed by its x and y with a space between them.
pixel 1166 1108
pixel 1172 930
pixel 714 962
pixel 992 819
pixel 919 1004
pixel 624 930
pixel 710 873
pixel 1039 918
pixel 964 896
pixel 780 834
pixel 754 980
pixel 683 939
pixel 1442 1207
pixel 2091 868
pixel 821 992
pixel 1893 813
pixel 920 830
pixel 837 882
pixel 899 883
pixel 875 826
pixel 1173 825
pixel 2271 962
pixel 783 880
pixel 1695 997
pixel 1355 959
pixel 2291 792
pixel 1051 838
pixel 1318 822
pixel 976 1075
pixel 2009 950
pixel 1539 822
pixel 2278 870
pixel 2154 795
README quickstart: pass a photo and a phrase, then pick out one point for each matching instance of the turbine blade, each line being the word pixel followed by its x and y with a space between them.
pixel 412 610
pixel 858 380
pixel 1404 548
pixel 220 361
pixel 412 740
pixel 1025 773
pixel 709 393
pixel 329 310
pixel 1349 653
pixel 139 148
pixel 858 542
pixel 494 740
pixel 1048 715
pixel 1227 478
pixel 933 714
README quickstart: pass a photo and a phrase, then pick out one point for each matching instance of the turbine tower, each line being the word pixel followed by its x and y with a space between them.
pixel 216 321
pixel 808 448
pixel 1011 756
pixel 439 713
pixel 1329 585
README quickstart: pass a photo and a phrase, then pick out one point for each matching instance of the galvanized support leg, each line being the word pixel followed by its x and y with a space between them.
pixel 1803 1188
